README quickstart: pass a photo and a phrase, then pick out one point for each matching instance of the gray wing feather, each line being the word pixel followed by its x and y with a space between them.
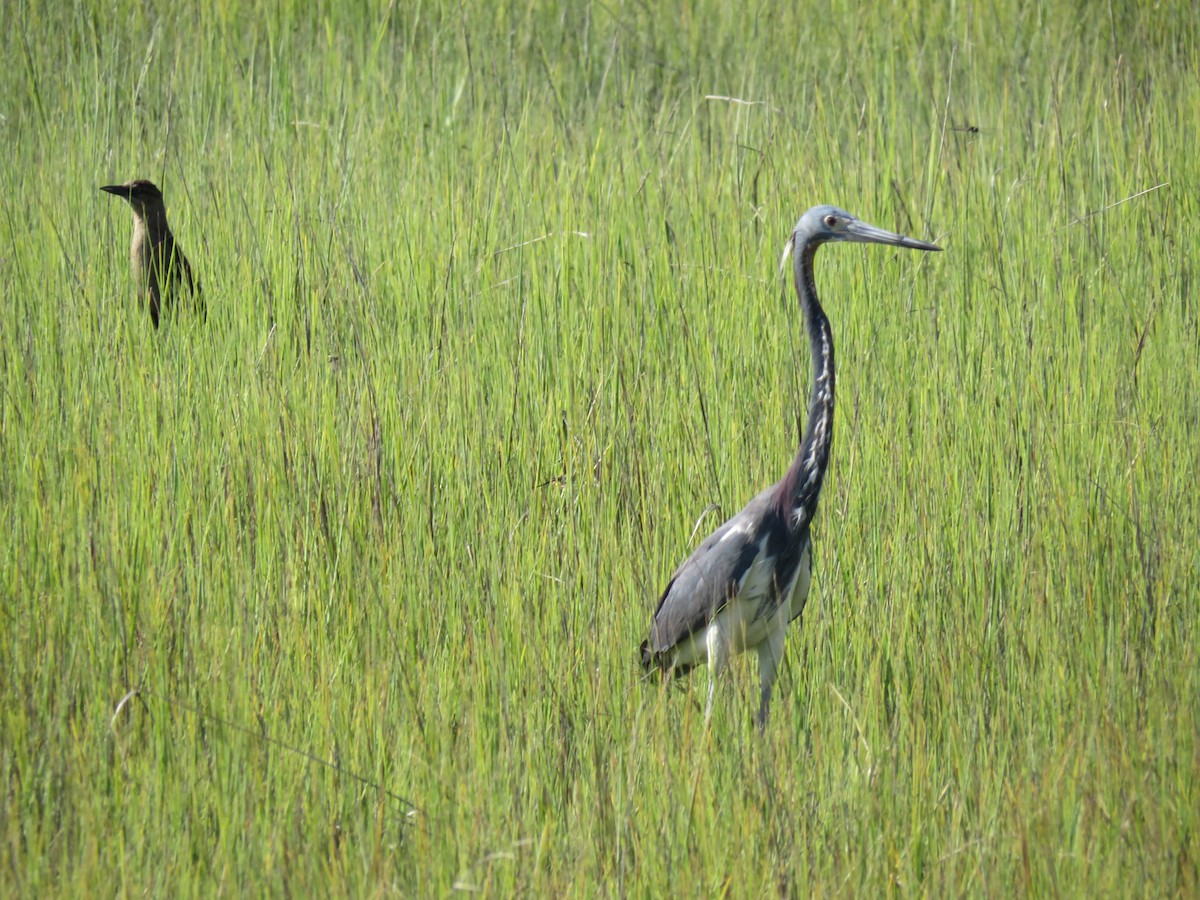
pixel 711 577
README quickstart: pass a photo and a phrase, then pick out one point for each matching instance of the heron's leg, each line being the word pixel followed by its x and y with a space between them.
pixel 770 654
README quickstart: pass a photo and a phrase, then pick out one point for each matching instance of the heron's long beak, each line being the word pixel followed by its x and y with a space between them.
pixel 862 233
pixel 787 251
pixel 121 190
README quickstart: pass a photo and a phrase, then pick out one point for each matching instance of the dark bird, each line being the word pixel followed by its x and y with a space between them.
pixel 160 270
pixel 750 577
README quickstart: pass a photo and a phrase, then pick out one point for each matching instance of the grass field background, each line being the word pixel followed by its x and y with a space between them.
pixel 495 335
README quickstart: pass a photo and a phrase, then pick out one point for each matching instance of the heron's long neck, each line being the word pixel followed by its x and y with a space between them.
pixel 800 488
pixel 150 223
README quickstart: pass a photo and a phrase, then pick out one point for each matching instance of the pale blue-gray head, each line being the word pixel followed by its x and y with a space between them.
pixel 823 224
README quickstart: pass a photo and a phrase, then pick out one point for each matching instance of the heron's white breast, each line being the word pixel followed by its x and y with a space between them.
pixel 798 594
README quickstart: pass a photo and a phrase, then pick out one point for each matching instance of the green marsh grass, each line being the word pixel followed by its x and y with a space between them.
pixel 495 336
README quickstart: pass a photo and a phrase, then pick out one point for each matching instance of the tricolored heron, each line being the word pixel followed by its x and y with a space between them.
pixel 749 578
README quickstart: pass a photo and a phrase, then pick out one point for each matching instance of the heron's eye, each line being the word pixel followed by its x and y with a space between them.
pixel 831 221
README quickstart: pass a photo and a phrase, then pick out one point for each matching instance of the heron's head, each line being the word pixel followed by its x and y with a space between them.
pixel 141 194
pixel 823 224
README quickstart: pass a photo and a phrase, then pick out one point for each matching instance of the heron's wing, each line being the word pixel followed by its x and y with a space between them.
pixel 193 286
pixel 180 267
pixel 715 573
